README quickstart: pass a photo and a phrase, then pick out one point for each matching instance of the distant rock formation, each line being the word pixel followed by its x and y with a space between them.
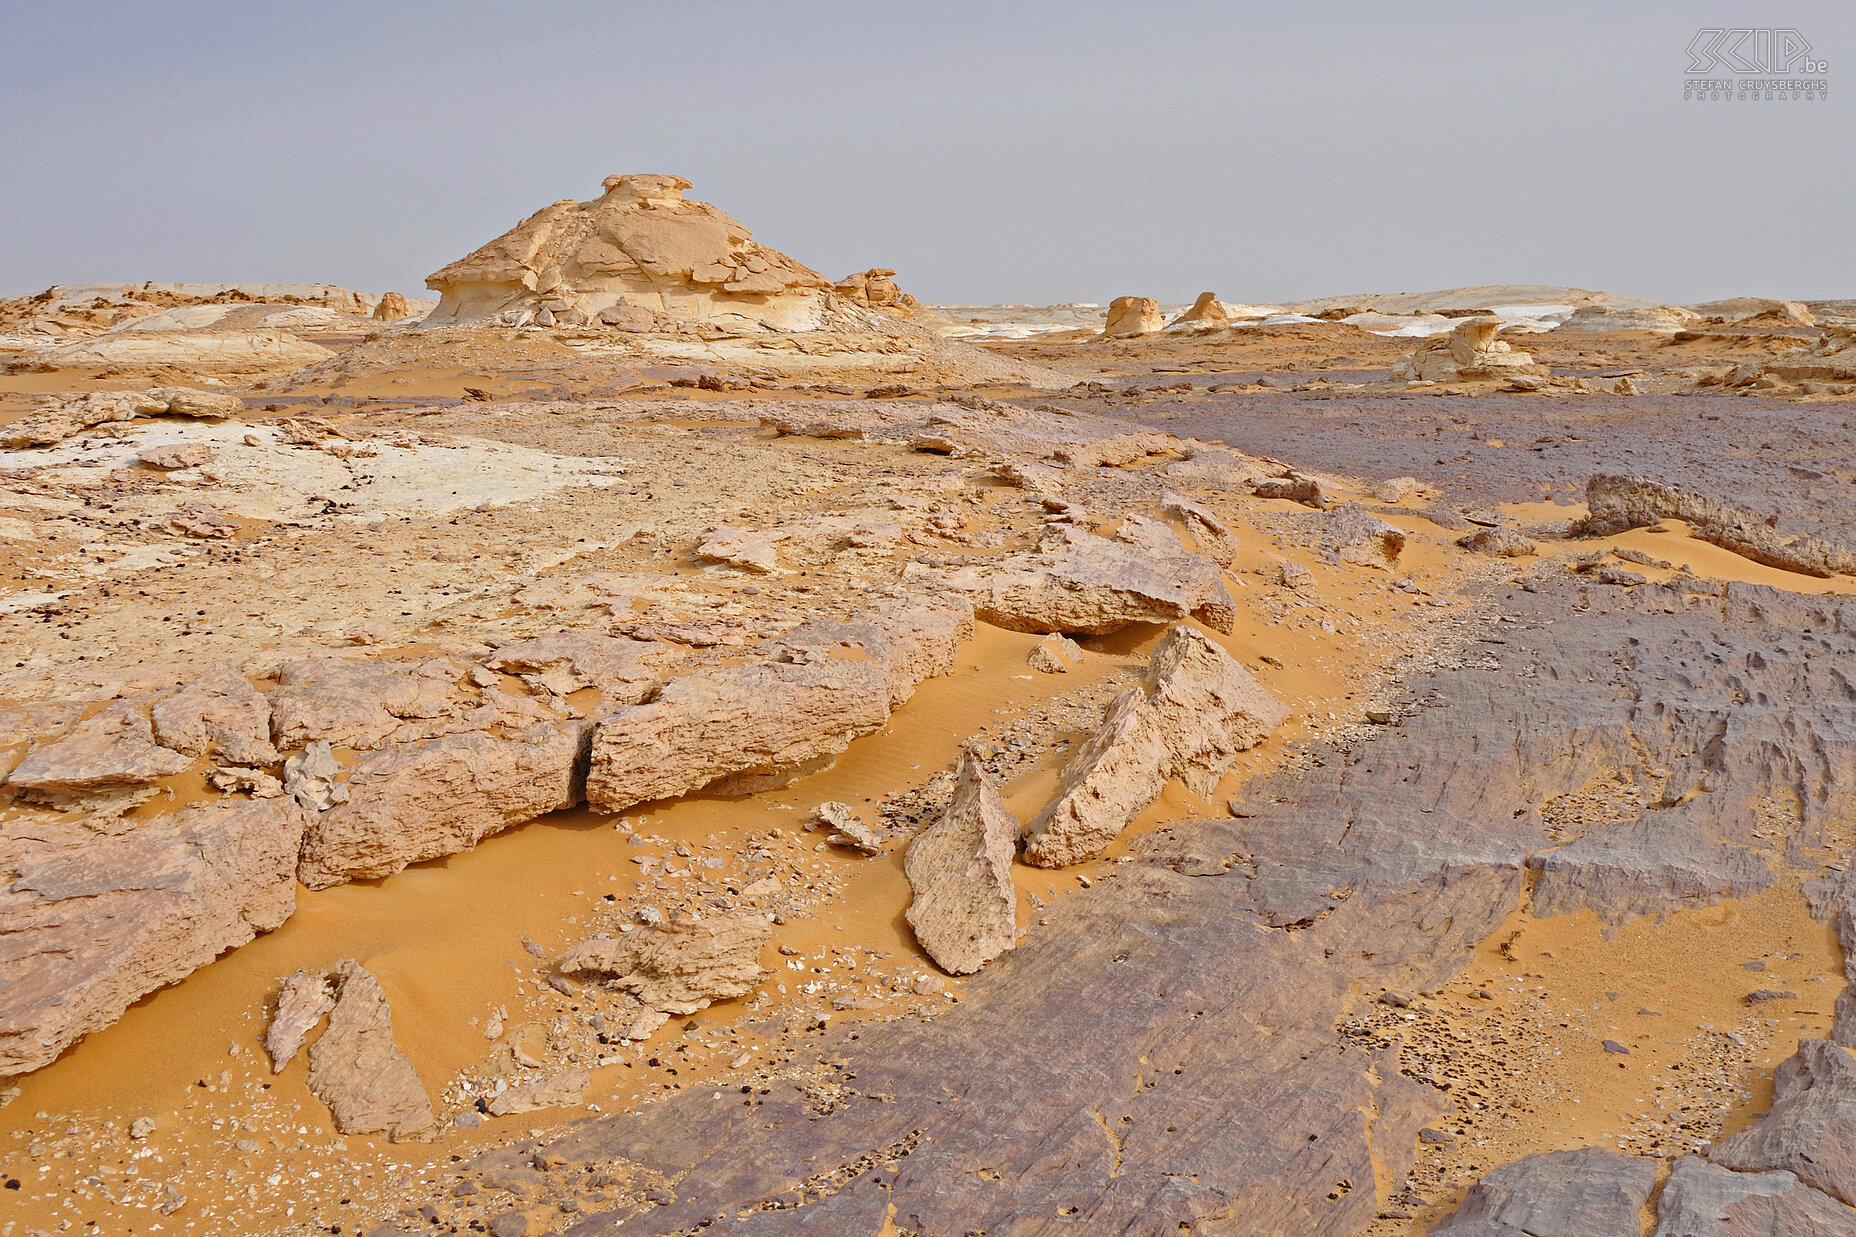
pixel 1207 313
pixel 1755 311
pixel 392 308
pixel 638 257
pixel 1663 318
pixel 876 289
pixel 1133 315
pixel 1469 353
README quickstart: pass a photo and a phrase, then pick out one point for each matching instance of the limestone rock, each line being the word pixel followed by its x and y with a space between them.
pixel 1469 353
pixel 747 548
pixel 103 761
pixel 876 289
pixel 65 417
pixel 1133 315
pixel 392 308
pixel 558 1090
pixel 1755 311
pixel 1583 1193
pixel 1206 313
pixel 962 899
pixel 189 402
pixel 357 1069
pixel 417 801
pixel 1296 487
pixel 624 671
pixel 847 828
pixel 310 777
pixel 90 924
pixel 677 968
pixel 1499 542
pixel 302 1001
pixel 1197 710
pixel 199 519
pixel 639 247
pixel 770 721
pixel 1664 319
pixel 1079 582
pixel 1397 489
pixel 219 714
pixel 1355 535
pixel 1055 654
pixel 1297 578
pixel 1811 1128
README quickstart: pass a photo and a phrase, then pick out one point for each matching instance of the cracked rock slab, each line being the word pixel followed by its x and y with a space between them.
pixel 358 1070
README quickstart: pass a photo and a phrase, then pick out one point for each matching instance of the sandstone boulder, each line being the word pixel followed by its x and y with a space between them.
pixel 89 924
pixel 845 827
pixel 358 1070
pixel 1133 315
pixel 768 722
pixel 423 800
pixel 1079 582
pixel 1811 1128
pixel 109 760
pixel 1498 542
pixel 676 968
pixel 392 308
pixel 1197 710
pixel 1469 353
pixel 962 899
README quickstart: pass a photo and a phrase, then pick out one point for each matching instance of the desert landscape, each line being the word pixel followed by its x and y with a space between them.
pixel 659 739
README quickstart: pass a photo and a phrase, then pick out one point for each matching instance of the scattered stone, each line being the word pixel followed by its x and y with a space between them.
pixel 558 1090
pixel 1760 996
pixel 1296 488
pixel 962 899
pixel 847 828
pixel 676 968
pixel 141 1128
pixel 1612 1046
pixel 1297 578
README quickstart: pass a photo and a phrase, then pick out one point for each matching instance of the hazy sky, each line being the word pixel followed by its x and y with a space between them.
pixel 997 151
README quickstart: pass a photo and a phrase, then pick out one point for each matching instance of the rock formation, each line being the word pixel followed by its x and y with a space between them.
pixel 876 289
pixel 640 256
pixel 359 1071
pixel 960 876
pixel 1197 710
pixel 1206 313
pixel 1588 1191
pixel 302 1001
pixel 1354 535
pixel 1618 503
pixel 90 924
pixel 1133 315
pixel 1469 353
pixel 845 827
pixel 392 308
pixel 110 760
pixel 65 417
pixel 1054 654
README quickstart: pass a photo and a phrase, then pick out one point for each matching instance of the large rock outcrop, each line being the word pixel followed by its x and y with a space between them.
pixel 1583 1193
pixel 639 256
pixel 110 760
pixel 1619 503
pixel 1198 709
pixel 90 923
pixel 768 722
pixel 1133 315
pixel 960 876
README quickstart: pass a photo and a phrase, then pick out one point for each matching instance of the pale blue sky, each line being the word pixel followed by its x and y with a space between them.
pixel 987 151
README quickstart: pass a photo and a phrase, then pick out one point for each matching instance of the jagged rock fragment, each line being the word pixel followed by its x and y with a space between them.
pixel 846 827
pixel 358 1070
pixel 558 1090
pixel 1055 654
pixel 676 968
pixel 962 899
pixel 302 1001
pixel 1498 542
pixel 108 760
pixel 219 714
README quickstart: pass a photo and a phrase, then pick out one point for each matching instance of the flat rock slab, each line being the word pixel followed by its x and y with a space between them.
pixel 1705 1200
pixel 1583 1193
pixel 358 1070
pixel 962 899
pixel 107 759
pixel 1080 583
pixel 746 726
pixel 677 968
pixel 89 923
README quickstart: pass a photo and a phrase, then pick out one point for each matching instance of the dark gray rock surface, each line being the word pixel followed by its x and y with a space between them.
pixel 1583 1193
